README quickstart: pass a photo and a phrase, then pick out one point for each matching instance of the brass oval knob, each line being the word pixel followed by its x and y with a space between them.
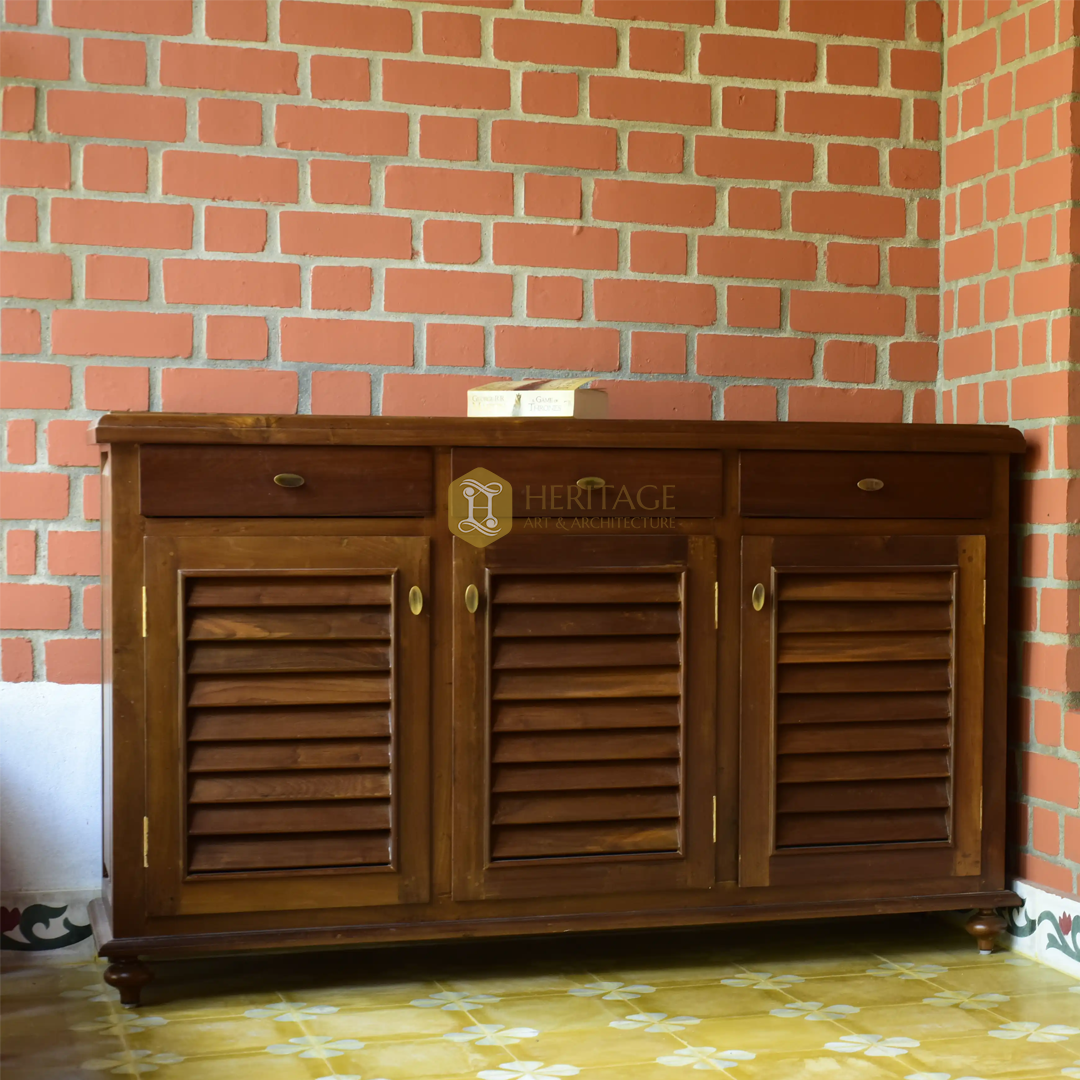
pixel 590 483
pixel 289 480
pixel 472 599
pixel 416 600
pixel 757 596
pixel 870 484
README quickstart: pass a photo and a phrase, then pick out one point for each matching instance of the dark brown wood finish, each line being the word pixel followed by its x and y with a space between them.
pixel 615 738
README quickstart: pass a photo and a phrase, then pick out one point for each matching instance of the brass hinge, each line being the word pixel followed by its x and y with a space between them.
pixel 984 601
pixel 144 611
pixel 716 605
pixel 714 819
pixel 145 842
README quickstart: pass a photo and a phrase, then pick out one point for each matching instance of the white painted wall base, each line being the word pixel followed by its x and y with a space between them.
pixel 1045 928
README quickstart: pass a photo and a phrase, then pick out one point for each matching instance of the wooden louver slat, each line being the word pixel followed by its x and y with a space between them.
pixel 289 722
pixel 586 715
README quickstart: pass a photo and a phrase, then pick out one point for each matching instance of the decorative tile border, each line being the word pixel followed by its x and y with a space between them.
pixel 1047 928
pixel 43 922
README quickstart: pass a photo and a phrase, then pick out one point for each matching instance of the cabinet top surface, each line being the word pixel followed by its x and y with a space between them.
pixel 458 431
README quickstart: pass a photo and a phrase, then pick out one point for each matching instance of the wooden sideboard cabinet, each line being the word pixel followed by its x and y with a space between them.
pixel 376 679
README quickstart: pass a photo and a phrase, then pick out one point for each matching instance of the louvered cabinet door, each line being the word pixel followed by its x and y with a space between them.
pixel 584 715
pixel 862 692
pixel 287 722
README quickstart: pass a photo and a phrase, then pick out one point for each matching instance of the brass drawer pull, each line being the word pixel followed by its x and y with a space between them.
pixel 472 599
pixel 288 480
pixel 590 483
pixel 757 596
pixel 870 484
pixel 416 600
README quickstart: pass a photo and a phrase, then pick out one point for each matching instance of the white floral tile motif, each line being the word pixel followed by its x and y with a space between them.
pixel 654 1022
pixel 873 1045
pixel 815 1010
pixel 965 999
pixel 128 1024
pixel 454 1001
pixel 290 1012
pixel 938 1076
pixel 612 991
pixel 1033 1032
pixel 131 1062
pixel 907 971
pixel 705 1057
pixel 93 992
pixel 764 980
pixel 315 1046
pixel 1071 1070
pixel 492 1035
pixel 528 1070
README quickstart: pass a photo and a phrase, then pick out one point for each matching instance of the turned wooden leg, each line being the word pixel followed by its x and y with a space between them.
pixel 984 926
pixel 128 975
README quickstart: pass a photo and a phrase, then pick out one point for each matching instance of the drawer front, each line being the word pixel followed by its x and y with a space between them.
pixel 781 483
pixel 669 483
pixel 238 481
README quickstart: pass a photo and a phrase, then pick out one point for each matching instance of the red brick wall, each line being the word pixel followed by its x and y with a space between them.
pixel 1009 345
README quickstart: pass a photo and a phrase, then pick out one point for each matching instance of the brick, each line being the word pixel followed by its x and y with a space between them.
pixel 750 403
pixel 554 298
pixel 35 275
pixel 451 34
pixel 848 214
pixel 34 386
pixel 117 277
pixel 592 348
pixel 21 12
pixel 853 264
pixel 341 288
pixel 232 229
pixel 357 236
pixel 1045 830
pixel 340 78
pixel 340 393
pixel 1072 742
pixel 452 242
pixel 885 19
pixel 851 65
pixel 222 281
pixel 451 86
pixel 1048 394
pixel 1010 240
pixel 25 164
pixel 33 495
pixel 447 292
pixel 114 62
pixel 917 267
pixel 658 253
pixel 91 497
pixel 753 307
pixel 35 607
pixel 850 405
pixel 347 183
pixel 236 20
pixel 73 660
pixel 121 333
pixel 451 191
pixel 552 196
pixel 1046 184
pixel 74 553
pixel 1010 139
pixel 693 12
pixel 652 203
pixel 226 390
pixel 20 332
pixel 657 50
pixel 753 208
pixel 1038 239
pixel 654 302
pixel 1058 612
pixel 449 138
pixel 746 57
pixel 927 315
pixel 115 168
pixel 20 219
pixel 91 607
pixel 847 313
pixel 561 7
pixel 196 174
pixel 102 223
pixel 1052 779
pixel 564 246
pixel 34 56
pixel 533 142
pixel 19 106
pixel 347 341
pixel 22 442
pixel 105 115
pixel 749 110
pixel 1072 839
pixel 167 17
pixel 926 122
pixel 755 257
pixel 759 14
pixel 616 98
pixel 346 26
pixel 913 361
pixel 1045 80
pixel 427 394
pixel 969 158
pixel 562 44
pixel 454 345
pixel 230 123
pixel 657 353
pixel 341 131
pixel 1013 39
pixel 236 337
pixel 911 69
pixel 998 197
pixel 996 402
pixel 971 59
pixel 655 400
pixel 841 114
pixel 849 361
pixel 753 159
pixel 1037 291
pixel 746 356
pixel 654 152
pixel 116 389
pixel 1039 134
pixel 854 165
pixel 21 552
pixel 549 93
pixel 910 168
